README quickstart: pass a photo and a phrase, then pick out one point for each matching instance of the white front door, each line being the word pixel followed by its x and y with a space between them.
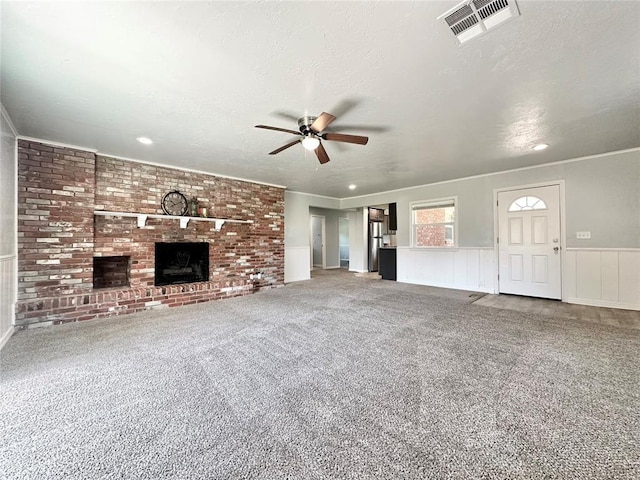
pixel 529 242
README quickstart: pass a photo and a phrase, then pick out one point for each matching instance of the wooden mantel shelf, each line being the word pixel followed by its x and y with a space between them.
pixel 184 221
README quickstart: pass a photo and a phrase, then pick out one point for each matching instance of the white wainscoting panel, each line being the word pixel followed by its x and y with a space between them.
pixel 8 282
pixel 296 264
pixel 604 277
pixel 461 268
pixel 610 268
pixel 629 278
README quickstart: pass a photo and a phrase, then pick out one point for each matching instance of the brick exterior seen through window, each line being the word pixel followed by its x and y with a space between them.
pixel 431 225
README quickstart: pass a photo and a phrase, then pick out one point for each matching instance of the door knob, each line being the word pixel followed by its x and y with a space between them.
pixel 555 249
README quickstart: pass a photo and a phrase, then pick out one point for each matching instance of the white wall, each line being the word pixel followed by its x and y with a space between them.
pixel 358 241
pixel 331 240
pixel 297 254
pixel 602 195
pixel 8 226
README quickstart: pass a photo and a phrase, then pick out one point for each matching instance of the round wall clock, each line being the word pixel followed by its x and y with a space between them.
pixel 175 203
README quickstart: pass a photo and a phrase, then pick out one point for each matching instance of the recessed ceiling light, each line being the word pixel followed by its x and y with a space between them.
pixel 352 187
pixel 540 146
pixel 145 140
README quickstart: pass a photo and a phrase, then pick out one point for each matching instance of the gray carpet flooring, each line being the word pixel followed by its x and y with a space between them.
pixel 339 377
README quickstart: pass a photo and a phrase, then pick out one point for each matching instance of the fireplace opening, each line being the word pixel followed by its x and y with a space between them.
pixel 110 272
pixel 182 262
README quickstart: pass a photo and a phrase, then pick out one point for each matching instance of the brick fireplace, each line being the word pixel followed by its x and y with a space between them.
pixel 62 244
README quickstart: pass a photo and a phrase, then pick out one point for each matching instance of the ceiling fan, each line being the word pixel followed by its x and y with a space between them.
pixel 311 129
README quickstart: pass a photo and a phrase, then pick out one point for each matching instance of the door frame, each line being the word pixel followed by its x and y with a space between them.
pixel 324 243
pixel 563 231
pixel 348 244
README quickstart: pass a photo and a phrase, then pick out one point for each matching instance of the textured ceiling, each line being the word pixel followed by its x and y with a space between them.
pixel 197 76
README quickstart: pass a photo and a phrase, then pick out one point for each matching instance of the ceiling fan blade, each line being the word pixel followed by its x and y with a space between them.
pixel 278 129
pixel 341 137
pixel 322 122
pixel 321 153
pixel 284 147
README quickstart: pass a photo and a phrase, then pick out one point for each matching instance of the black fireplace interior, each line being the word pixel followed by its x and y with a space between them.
pixel 109 272
pixel 181 262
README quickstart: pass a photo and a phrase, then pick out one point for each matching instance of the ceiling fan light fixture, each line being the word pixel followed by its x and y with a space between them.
pixel 310 135
pixel 310 142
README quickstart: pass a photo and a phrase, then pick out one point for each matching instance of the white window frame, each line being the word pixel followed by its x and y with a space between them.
pixel 434 203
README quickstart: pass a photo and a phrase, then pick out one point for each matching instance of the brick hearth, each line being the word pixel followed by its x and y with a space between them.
pixel 58 234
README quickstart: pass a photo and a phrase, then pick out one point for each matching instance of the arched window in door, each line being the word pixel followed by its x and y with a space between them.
pixel 527 203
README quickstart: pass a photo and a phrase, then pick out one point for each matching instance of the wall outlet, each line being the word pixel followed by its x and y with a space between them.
pixel 583 235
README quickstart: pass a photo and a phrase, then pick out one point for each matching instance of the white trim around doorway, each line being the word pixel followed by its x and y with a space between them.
pixel 323 239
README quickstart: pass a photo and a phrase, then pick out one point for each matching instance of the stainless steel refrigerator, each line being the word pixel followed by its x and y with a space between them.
pixel 375 242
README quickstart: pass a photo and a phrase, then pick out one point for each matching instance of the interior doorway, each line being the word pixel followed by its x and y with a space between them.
pixel 529 241
pixel 318 252
pixel 343 241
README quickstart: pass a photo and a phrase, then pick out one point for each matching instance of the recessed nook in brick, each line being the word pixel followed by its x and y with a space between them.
pixel 111 272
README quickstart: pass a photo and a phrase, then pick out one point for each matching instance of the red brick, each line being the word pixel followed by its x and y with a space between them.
pixel 83 180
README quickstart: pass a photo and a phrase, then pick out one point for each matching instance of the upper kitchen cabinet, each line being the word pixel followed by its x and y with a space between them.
pixel 376 214
pixel 393 217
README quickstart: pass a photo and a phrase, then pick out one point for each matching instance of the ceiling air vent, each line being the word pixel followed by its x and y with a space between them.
pixel 473 18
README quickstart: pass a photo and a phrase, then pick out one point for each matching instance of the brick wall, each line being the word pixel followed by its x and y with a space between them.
pixel 59 188
pixel 55 225
pixel 430 235
pixel 111 271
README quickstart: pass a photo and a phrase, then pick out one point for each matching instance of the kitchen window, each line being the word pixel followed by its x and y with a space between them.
pixel 433 223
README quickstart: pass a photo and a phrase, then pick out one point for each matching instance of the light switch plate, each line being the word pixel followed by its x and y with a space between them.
pixel 583 235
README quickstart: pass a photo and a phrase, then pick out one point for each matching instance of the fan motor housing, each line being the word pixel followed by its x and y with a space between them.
pixel 304 124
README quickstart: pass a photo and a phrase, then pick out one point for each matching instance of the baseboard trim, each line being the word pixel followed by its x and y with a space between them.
pixel 465 288
pixel 7 335
pixel 602 303
pixel 358 271
pixel 330 268
pixel 595 249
